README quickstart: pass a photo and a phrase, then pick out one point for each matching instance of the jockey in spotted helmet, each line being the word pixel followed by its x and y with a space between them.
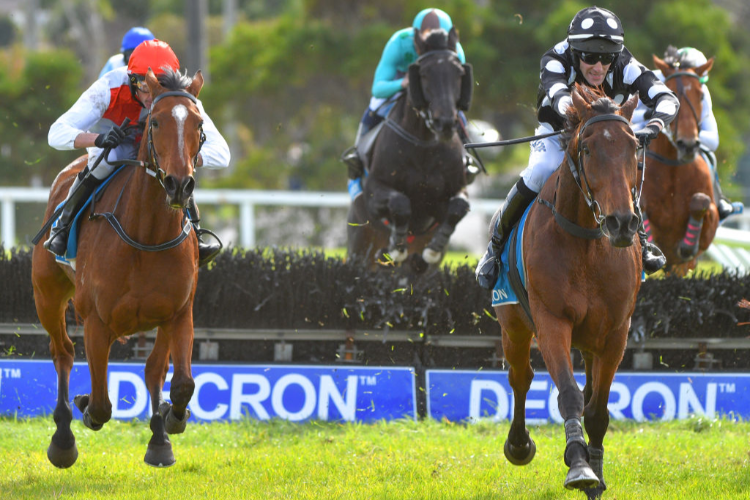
pixel 130 41
pixel 708 134
pixel 593 54
pixel 93 122
pixel 390 81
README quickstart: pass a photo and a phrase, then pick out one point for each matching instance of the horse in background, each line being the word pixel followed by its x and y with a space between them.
pixel 124 287
pixel 679 208
pixel 582 287
pixel 415 192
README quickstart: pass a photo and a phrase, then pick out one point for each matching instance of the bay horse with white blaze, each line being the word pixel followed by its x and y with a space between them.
pixel 415 192
pixel 121 288
pixel 678 195
pixel 581 287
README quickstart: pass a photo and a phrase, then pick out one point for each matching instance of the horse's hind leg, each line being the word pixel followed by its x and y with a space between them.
pixel 458 207
pixel 52 290
pixel 519 447
pixel 600 372
pixel 159 452
pixel 687 249
pixel 554 343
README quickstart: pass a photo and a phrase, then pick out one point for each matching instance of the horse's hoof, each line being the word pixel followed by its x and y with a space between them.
pixel 686 253
pixel 581 477
pixel 81 401
pixel 60 457
pixel 159 455
pixel 172 424
pixel 432 256
pixel 520 455
pixel 594 493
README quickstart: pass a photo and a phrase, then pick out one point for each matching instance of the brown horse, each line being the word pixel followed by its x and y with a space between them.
pixel 680 211
pixel 121 288
pixel 415 192
pixel 581 287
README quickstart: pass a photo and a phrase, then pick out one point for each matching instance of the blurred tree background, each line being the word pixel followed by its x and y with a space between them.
pixel 289 79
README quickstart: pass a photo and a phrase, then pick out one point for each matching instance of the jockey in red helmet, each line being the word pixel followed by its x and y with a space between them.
pixel 93 123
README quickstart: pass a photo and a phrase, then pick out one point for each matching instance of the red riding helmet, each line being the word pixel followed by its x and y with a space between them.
pixel 153 54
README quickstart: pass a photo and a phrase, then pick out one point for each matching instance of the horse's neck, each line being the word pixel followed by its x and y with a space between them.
pixel 410 120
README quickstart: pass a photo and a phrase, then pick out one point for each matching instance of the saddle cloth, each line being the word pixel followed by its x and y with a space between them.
pixel 72 251
pixel 503 293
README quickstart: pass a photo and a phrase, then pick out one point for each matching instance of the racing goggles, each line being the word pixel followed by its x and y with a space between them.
pixel 591 58
pixel 139 82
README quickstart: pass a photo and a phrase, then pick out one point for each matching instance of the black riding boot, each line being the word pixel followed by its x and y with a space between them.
pixel 723 205
pixel 206 251
pixel 652 257
pixel 82 188
pixel 517 201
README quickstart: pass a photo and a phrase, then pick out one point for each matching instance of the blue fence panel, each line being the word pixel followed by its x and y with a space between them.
pixel 471 395
pixel 227 392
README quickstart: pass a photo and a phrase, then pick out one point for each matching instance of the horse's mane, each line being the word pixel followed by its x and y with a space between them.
pixel 437 39
pixel 599 102
pixel 174 80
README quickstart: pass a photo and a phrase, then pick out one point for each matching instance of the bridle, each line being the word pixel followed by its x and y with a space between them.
pixel 153 167
pixel 579 175
pixel 666 130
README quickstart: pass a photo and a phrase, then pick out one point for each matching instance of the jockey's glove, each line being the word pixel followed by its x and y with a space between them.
pixel 111 139
pixel 648 134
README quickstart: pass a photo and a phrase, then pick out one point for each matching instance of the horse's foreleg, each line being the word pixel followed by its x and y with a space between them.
pixel 601 369
pixel 96 407
pixel 62 451
pixel 687 249
pixel 399 208
pixel 180 334
pixel 519 447
pixel 458 207
pixel 554 343
pixel 159 452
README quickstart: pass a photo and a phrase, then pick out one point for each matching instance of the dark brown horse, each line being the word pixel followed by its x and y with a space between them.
pixel 415 193
pixel 581 287
pixel 119 289
pixel 678 196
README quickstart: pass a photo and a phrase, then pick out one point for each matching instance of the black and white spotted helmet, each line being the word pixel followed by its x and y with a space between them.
pixel 595 29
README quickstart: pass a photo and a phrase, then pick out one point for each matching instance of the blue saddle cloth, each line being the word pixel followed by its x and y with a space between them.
pixel 503 293
pixel 72 251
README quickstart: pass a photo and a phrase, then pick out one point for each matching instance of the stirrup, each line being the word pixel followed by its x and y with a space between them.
pixel 207 251
pixel 57 243
pixel 353 162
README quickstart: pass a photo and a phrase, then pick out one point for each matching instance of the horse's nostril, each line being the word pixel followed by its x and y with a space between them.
pixel 170 185
pixel 188 187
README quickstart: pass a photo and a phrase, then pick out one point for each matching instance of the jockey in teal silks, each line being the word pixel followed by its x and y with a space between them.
pixel 391 79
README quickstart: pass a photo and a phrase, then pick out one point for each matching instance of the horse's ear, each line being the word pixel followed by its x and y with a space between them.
pixel 626 110
pixel 452 39
pixel 419 44
pixel 661 65
pixel 197 84
pixel 153 83
pixel 703 69
pixel 580 103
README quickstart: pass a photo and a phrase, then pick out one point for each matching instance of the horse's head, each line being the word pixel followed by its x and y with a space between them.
pixel 174 132
pixel 439 85
pixel 601 152
pixel 686 82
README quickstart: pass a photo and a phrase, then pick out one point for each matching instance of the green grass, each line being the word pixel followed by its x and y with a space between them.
pixel 685 460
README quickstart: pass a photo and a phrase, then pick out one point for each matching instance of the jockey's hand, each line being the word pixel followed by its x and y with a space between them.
pixel 648 134
pixel 405 81
pixel 111 139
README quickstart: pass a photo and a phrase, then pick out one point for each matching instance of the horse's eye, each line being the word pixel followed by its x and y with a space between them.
pixel 154 124
pixel 586 150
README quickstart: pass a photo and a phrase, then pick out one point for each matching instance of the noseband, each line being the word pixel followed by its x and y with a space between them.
pixel 578 172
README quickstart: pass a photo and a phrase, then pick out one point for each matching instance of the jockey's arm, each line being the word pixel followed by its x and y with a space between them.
pixel 215 151
pixel 387 81
pixel 653 92
pixel 554 76
pixel 709 132
pixel 69 131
